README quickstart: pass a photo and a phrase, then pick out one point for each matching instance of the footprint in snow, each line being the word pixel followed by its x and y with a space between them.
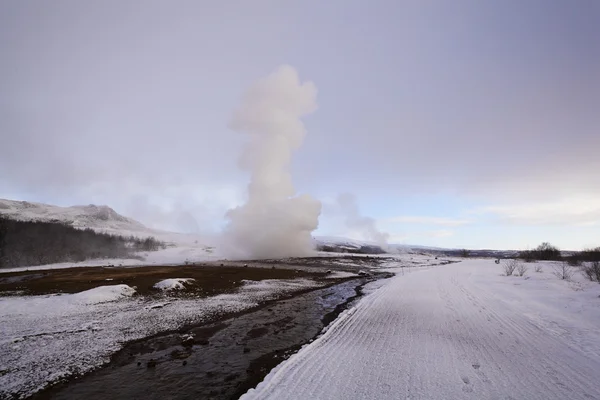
pixel 467 388
pixel 476 366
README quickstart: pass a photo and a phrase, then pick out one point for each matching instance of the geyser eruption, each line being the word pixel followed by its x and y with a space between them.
pixel 275 222
pixel 362 225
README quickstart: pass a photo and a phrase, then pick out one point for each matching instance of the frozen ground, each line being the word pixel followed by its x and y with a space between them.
pixel 451 332
pixel 46 338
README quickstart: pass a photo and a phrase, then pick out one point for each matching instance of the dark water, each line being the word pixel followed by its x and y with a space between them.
pixel 224 360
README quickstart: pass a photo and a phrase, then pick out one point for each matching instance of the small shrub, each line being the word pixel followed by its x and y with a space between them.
pixel 538 268
pixel 564 271
pixel 592 271
pixel 509 266
pixel 521 269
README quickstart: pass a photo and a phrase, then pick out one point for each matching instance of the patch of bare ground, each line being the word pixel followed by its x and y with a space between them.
pixel 209 279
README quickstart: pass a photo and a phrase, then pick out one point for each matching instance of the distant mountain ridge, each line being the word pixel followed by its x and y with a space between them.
pixel 100 218
pixel 353 245
pixel 343 245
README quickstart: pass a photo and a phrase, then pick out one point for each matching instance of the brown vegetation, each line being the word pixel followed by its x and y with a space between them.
pixel 209 280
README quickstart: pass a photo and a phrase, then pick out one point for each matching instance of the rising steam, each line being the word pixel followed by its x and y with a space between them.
pixel 274 222
pixel 360 225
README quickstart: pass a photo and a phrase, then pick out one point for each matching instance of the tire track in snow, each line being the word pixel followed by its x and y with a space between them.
pixel 475 349
pixel 530 343
pixel 433 334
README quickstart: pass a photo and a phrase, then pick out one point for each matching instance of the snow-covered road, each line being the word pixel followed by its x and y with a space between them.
pixel 453 332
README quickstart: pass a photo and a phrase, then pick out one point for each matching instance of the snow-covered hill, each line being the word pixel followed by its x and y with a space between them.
pixel 100 218
pixel 180 247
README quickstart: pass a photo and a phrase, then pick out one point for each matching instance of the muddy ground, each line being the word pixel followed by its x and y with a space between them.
pixel 210 279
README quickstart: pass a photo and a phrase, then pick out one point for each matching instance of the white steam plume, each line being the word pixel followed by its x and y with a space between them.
pixel 361 225
pixel 274 222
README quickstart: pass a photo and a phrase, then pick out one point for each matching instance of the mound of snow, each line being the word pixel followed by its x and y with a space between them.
pixel 173 284
pixel 103 294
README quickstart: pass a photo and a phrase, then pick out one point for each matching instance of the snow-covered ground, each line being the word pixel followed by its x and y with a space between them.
pixel 97 295
pixel 450 332
pixel 46 338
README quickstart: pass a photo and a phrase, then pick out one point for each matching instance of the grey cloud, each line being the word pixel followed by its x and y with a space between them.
pixel 116 100
pixel 494 102
pixel 96 103
pixel 413 219
pixel 570 211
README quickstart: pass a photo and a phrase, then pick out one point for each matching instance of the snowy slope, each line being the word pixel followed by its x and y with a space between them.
pixel 101 294
pixel 459 331
pixel 101 218
pixel 180 247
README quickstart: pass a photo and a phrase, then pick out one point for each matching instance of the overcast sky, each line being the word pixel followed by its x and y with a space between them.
pixel 452 123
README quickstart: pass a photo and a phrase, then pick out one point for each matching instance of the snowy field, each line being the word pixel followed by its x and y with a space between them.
pixel 46 338
pixel 454 331
pixel 459 330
